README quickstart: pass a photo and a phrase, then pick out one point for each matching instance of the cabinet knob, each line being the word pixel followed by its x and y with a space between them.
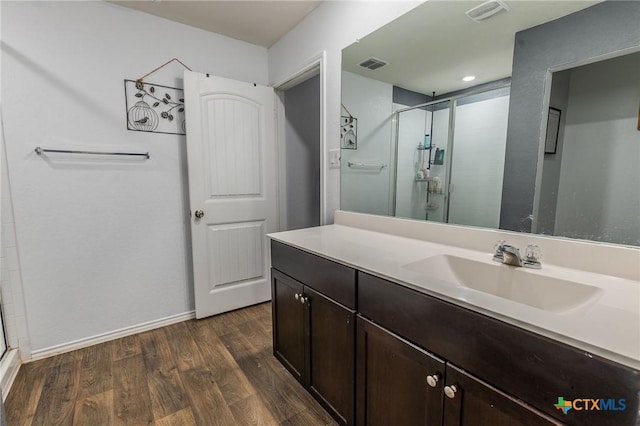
pixel 297 296
pixel 432 380
pixel 450 391
pixel 303 299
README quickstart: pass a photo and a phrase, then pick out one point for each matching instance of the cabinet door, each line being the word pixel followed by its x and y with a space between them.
pixel 331 368
pixel 288 323
pixel 393 386
pixel 472 402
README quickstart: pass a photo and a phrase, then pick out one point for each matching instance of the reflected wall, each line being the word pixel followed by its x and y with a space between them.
pixel 584 36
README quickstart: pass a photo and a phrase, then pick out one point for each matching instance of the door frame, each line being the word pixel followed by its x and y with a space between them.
pixel 312 67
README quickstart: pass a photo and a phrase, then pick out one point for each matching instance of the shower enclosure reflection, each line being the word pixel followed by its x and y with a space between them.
pixel 458 178
pixel 421 142
pixel 444 158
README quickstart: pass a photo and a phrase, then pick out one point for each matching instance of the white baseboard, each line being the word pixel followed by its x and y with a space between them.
pixel 9 367
pixel 111 335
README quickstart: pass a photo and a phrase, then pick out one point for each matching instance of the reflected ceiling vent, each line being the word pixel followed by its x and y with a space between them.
pixel 373 63
pixel 486 10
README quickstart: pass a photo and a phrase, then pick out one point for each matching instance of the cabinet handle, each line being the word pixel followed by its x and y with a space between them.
pixel 450 391
pixel 432 380
pixel 297 296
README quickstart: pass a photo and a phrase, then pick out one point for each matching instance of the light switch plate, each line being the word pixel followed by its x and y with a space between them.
pixel 334 158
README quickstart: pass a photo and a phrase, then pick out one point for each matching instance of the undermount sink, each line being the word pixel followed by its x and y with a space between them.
pixel 516 284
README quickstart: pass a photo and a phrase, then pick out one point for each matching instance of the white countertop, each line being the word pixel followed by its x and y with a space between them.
pixel 608 327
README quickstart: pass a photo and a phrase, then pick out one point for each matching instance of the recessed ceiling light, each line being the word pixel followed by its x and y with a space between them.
pixel 469 78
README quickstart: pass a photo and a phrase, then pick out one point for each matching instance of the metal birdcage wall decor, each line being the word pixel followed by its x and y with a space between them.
pixel 154 108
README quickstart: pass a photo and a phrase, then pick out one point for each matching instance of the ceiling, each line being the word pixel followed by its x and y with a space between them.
pixel 433 46
pixel 261 22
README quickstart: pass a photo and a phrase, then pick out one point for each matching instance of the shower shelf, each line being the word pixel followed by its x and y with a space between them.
pixel 429 179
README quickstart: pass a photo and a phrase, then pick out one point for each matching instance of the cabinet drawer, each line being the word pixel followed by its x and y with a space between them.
pixel 535 368
pixel 329 278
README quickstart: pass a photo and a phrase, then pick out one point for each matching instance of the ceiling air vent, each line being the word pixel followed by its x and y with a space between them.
pixel 373 63
pixel 487 10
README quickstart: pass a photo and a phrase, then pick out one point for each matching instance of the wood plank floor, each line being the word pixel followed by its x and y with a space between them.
pixel 215 371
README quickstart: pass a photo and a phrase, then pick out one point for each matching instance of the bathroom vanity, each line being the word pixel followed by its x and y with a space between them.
pixel 379 333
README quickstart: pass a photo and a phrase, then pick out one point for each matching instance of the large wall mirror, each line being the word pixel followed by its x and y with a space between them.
pixel 524 118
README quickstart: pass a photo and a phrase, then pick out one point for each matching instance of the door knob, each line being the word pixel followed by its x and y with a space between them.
pixel 450 391
pixel 199 214
pixel 432 380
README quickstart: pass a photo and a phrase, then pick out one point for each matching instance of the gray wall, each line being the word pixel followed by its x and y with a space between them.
pixel 599 188
pixel 302 147
pixel 409 97
pixel 601 29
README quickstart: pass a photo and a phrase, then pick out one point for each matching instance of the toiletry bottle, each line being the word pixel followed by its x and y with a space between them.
pixel 427 141
pixel 436 184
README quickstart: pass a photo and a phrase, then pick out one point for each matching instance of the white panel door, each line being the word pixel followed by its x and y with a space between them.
pixel 231 156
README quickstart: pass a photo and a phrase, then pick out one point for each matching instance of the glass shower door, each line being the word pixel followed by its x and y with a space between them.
pixel 422 136
pixel 477 158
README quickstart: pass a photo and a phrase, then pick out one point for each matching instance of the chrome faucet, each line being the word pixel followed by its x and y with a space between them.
pixel 510 255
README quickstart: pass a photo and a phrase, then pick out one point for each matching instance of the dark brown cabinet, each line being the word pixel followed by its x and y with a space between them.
pixel 398 383
pixel 314 334
pixel 511 362
pixel 388 354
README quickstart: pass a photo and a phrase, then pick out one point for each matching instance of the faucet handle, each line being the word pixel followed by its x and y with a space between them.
pixel 498 250
pixel 533 256
pixel 533 253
